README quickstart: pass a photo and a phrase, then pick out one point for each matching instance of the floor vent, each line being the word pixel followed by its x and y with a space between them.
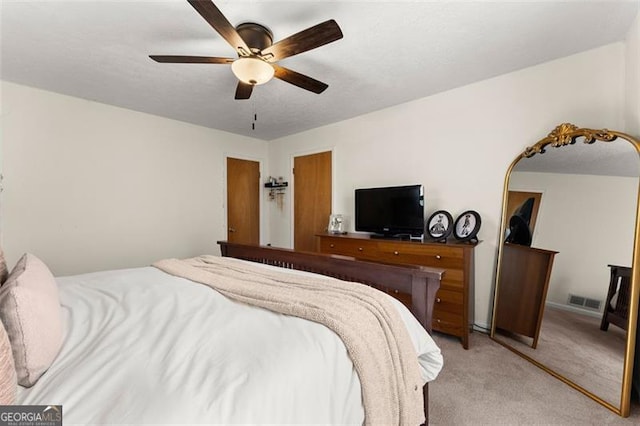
pixel 584 302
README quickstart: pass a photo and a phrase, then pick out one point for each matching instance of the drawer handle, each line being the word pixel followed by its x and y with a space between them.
pixel 331 245
pixel 438 256
pixel 438 300
pixel 396 291
pixel 396 253
pixel 359 248
pixel 438 320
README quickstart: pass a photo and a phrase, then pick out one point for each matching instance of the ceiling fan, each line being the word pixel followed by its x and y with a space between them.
pixel 257 54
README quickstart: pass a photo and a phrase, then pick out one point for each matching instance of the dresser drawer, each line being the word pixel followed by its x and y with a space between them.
pixel 449 301
pixel 349 247
pixel 447 322
pixel 333 245
pixel 454 299
pixel 453 279
pixel 419 254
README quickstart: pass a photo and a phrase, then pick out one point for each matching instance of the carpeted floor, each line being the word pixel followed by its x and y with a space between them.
pixel 488 384
pixel 573 345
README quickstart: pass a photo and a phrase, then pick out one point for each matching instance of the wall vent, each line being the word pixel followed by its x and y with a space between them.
pixel 584 302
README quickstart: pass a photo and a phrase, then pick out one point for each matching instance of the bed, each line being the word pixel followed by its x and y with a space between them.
pixel 144 346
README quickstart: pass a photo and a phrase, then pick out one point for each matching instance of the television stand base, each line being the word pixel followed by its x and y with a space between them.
pixel 403 237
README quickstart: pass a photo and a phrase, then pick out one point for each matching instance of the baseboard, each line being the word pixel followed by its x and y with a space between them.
pixel 594 314
pixel 482 327
pixel 486 328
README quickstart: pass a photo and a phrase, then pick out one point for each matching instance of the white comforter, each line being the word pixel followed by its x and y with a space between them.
pixel 144 347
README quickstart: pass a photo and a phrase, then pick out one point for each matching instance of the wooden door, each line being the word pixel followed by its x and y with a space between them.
pixel 515 200
pixel 311 198
pixel 243 201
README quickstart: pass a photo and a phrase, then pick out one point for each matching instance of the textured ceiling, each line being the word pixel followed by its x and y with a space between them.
pixel 392 52
pixel 617 158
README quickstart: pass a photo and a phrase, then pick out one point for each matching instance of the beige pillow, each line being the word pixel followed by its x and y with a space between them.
pixel 8 383
pixel 4 272
pixel 30 311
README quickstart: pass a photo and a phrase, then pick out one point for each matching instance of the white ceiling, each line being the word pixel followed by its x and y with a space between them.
pixel 617 158
pixel 392 52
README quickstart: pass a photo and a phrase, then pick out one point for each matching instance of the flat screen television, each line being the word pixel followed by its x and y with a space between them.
pixel 390 211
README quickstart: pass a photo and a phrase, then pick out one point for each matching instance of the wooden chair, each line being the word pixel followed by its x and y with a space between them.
pixel 620 284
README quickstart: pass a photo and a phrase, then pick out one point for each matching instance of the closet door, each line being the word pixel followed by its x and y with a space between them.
pixel 311 198
pixel 243 201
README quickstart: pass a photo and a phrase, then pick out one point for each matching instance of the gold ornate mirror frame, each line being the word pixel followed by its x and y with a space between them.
pixel 563 135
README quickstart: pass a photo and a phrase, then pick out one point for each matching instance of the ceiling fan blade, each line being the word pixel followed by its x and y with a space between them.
pixel 179 59
pixel 243 91
pixel 217 20
pixel 300 80
pixel 303 41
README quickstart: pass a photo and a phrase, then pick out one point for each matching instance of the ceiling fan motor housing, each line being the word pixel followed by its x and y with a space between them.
pixel 257 37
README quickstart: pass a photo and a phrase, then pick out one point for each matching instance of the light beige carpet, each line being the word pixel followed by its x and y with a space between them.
pixel 488 385
pixel 573 345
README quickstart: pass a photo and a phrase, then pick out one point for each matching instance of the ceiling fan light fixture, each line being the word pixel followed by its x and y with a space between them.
pixel 252 71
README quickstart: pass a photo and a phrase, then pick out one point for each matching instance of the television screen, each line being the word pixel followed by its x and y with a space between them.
pixel 390 210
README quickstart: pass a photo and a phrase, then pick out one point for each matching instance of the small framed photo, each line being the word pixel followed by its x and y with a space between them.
pixel 336 224
pixel 467 226
pixel 440 225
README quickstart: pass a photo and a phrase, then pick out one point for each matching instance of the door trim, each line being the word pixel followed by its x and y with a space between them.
pixel 225 213
pixel 292 158
pixel 540 209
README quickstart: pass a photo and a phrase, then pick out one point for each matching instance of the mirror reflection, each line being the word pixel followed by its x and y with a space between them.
pixel 562 298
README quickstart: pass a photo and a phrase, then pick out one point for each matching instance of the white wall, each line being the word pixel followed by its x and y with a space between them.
pixel 459 143
pixel 156 186
pixel 632 120
pixel 89 186
pixel 589 220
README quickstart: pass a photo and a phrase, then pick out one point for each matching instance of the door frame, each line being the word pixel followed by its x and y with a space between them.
pixel 540 209
pixel 225 212
pixel 292 158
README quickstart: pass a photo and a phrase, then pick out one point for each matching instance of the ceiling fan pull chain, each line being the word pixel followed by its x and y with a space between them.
pixel 255 115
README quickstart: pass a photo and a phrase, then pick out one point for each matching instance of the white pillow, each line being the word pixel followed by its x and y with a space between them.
pixel 8 383
pixel 30 311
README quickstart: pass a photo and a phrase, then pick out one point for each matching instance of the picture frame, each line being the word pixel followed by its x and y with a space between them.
pixel 440 225
pixel 336 224
pixel 467 225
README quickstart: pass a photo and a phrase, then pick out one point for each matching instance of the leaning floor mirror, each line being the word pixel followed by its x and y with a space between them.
pixel 566 294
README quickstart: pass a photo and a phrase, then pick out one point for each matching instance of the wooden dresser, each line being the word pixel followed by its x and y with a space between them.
pixel 453 311
pixel 524 279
